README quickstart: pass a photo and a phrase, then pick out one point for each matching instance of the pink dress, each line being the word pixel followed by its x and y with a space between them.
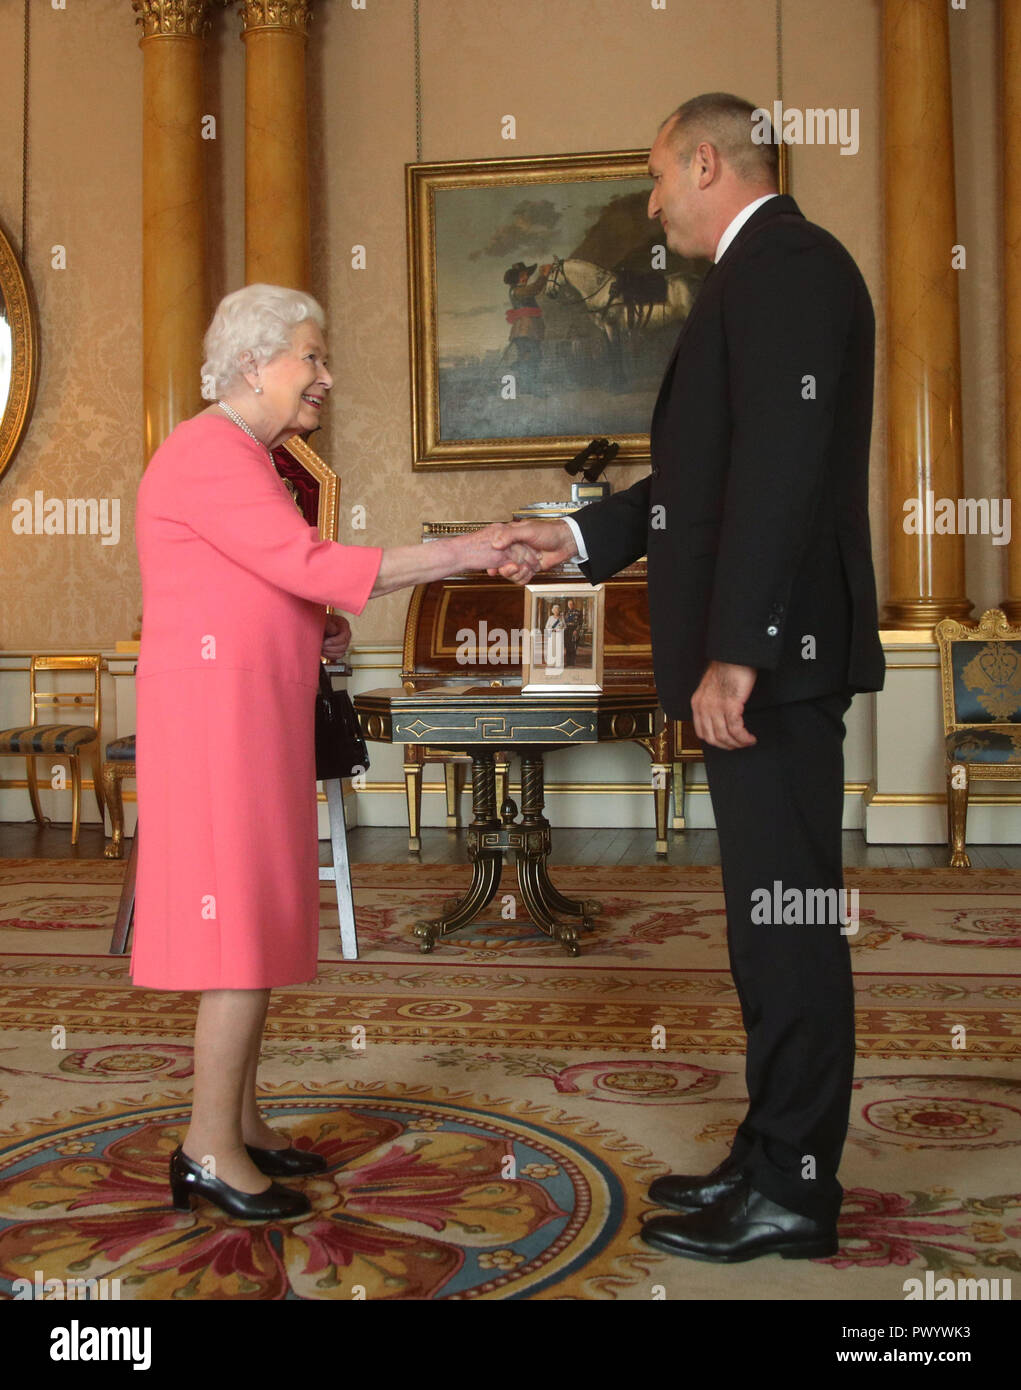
pixel 234 588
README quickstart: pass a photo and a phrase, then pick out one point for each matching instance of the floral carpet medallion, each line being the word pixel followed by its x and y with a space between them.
pixel 423 1199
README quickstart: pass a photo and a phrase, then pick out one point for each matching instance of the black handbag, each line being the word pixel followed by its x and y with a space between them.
pixel 340 748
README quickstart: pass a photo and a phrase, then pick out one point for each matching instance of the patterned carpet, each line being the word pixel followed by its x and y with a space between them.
pixel 493 1113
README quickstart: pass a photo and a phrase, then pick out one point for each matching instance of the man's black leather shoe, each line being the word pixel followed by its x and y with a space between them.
pixel 742 1226
pixel 286 1163
pixel 692 1194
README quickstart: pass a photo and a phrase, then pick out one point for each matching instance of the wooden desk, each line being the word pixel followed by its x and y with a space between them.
pixel 478 721
pixel 433 657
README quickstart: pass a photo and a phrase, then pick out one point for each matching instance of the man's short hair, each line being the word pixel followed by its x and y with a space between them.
pixel 726 122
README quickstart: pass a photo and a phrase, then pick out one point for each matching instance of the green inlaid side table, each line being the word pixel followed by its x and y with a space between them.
pixel 481 721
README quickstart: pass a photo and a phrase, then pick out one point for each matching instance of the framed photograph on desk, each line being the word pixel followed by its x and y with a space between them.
pixel 564 652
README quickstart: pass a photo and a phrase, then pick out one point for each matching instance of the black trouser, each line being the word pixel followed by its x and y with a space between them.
pixel 778 811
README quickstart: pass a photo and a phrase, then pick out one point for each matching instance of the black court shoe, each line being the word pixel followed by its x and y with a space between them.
pixel 286 1163
pixel 189 1179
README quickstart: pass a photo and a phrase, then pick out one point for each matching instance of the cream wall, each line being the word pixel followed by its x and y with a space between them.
pixel 577 75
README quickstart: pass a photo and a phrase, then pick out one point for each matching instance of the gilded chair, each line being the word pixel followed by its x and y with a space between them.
pixel 118 764
pixel 980 669
pixel 43 738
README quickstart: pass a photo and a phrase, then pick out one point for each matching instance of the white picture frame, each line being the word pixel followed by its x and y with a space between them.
pixel 565 652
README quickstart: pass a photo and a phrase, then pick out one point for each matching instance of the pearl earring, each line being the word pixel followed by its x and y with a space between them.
pixel 258 390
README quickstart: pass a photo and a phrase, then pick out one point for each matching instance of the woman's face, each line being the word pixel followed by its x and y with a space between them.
pixel 295 382
pixel 555 611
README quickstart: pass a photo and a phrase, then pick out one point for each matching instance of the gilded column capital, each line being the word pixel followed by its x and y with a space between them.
pixel 292 15
pixel 174 18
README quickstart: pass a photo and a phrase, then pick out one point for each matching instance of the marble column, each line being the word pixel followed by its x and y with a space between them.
pixel 277 245
pixel 924 458
pixel 1011 94
pixel 175 307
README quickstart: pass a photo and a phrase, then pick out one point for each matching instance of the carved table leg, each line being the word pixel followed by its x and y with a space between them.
pixel 413 787
pixel 487 863
pixel 533 811
pixel 541 899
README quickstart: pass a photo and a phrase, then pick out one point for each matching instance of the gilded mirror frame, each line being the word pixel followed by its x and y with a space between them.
pixel 19 311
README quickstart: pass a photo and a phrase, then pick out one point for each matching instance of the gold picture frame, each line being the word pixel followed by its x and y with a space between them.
pixel 565 649
pixel 467 222
pixel 470 224
pixel 19 353
pixel 329 484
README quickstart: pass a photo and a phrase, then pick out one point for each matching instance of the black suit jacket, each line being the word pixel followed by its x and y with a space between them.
pixel 755 515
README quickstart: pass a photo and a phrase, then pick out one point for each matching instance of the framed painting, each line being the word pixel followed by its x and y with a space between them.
pixel 544 307
pixel 311 482
pixel 566 649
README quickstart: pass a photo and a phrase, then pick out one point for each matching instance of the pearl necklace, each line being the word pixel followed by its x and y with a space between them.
pixel 232 413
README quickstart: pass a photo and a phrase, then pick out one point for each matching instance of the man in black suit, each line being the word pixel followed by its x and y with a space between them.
pixel 764 623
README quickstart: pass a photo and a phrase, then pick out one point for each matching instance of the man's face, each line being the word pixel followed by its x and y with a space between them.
pixel 674 194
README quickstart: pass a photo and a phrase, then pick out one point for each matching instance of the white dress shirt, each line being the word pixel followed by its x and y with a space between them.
pixel 728 236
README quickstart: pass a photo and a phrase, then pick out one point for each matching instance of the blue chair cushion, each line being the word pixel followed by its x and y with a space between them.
pixel 47 738
pixel 984 746
pixel 121 750
pixel 987 682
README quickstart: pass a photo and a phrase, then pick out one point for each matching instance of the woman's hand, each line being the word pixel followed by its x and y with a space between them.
pixel 495 548
pixel 336 636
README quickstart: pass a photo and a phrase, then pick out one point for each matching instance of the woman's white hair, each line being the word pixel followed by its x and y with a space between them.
pixel 254 323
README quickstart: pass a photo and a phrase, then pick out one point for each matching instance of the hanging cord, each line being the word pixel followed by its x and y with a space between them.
pixel 418 87
pixel 779 50
pixel 783 169
pixel 24 144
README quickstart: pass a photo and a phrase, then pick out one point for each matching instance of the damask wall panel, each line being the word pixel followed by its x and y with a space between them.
pixel 85 436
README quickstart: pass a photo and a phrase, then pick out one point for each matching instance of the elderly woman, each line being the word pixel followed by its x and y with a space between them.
pixel 234 589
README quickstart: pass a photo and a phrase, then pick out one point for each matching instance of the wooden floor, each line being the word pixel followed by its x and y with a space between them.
pixel 378 845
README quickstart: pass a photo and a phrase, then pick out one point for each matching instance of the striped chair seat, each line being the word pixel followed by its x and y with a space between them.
pixel 47 738
pixel 121 750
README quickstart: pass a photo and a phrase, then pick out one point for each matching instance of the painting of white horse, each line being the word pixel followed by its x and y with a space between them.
pixel 544 308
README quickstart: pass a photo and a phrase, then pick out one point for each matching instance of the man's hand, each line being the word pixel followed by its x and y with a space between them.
pixel 336 637
pixel 718 705
pixel 553 540
pixel 497 550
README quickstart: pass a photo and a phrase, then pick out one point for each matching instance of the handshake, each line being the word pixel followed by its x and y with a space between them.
pixel 518 550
